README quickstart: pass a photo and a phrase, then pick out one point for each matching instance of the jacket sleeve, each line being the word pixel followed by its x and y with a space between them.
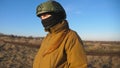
pixel 76 56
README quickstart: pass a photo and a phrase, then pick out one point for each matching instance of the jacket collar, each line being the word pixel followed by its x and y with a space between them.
pixel 59 27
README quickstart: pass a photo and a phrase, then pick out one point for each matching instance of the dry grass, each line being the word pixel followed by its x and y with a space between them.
pixel 19 52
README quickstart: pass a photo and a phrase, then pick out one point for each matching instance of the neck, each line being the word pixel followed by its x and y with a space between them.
pixel 59 27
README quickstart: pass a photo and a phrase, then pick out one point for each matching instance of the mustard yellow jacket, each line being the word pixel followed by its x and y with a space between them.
pixel 61 48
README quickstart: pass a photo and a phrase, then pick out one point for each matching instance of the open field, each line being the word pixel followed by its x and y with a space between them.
pixel 19 52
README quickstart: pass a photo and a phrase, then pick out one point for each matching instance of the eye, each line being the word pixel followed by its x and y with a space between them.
pixel 44 16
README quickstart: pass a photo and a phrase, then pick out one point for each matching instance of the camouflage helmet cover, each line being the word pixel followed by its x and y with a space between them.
pixel 50 6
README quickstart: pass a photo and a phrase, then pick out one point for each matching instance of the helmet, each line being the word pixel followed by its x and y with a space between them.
pixel 50 6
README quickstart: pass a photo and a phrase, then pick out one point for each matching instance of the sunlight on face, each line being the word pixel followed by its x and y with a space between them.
pixel 45 16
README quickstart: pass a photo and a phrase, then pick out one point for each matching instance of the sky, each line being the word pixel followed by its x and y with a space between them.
pixel 97 20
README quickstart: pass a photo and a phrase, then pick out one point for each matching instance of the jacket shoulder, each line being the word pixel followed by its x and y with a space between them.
pixel 73 34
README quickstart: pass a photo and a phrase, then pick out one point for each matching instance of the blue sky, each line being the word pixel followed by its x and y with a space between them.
pixel 91 19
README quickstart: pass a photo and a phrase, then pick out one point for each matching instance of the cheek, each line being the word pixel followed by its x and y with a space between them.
pixel 45 16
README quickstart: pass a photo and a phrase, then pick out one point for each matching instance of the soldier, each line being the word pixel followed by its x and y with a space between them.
pixel 62 47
